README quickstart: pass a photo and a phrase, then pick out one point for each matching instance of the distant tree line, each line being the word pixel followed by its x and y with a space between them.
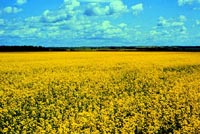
pixel 106 48
pixel 22 48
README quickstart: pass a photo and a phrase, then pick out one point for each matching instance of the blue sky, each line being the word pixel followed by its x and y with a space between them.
pixel 100 22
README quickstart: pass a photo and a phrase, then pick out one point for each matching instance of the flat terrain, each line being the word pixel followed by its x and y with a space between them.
pixel 100 92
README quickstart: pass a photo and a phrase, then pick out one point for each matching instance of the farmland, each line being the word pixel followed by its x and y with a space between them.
pixel 100 92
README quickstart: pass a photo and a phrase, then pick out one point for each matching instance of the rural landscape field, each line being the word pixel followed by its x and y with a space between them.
pixel 99 67
pixel 100 92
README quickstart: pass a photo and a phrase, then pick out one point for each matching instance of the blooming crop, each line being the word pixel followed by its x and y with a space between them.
pixel 100 92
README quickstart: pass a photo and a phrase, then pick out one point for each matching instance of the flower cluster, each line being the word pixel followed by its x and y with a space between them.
pixel 100 92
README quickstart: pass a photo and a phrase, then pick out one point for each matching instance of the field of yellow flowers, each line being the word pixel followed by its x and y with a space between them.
pixel 100 92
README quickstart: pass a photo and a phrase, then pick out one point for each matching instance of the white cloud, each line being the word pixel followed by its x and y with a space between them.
pixel 177 24
pixel 187 2
pixel 154 33
pixel 109 8
pixel 95 9
pixel 198 22
pixel 16 10
pixel 94 1
pixel 33 19
pixel 66 12
pixel 170 29
pixel 1 32
pixel 162 22
pixel 98 1
pixel 107 30
pixel 2 22
pixel 137 8
pixel 10 9
pixel 50 16
pixel 117 7
pixel 7 9
pixel 183 30
pixel 24 32
pixel 183 2
pixel 180 22
pixel 71 4
pixel 106 24
pixel 182 18
pixel 100 11
pixel 21 2
pixel 123 25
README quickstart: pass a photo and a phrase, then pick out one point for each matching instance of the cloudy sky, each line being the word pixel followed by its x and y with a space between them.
pixel 99 22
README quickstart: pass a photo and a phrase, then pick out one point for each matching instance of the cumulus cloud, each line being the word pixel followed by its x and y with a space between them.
pixel 94 1
pixel 21 2
pixel 71 4
pixel 187 2
pixel 182 18
pixel 117 7
pixel 123 25
pixel 98 1
pixel 16 10
pixel 95 9
pixel 1 32
pixel 107 30
pixel 109 8
pixel 106 24
pixel 55 17
pixel 33 19
pixel 1 22
pixel 66 12
pixel 50 16
pixel 137 8
pixel 59 28
pixel 171 27
pixel 10 9
pixel 71 23
pixel 25 32
pixel 197 22
pixel 154 33
pixel 177 24
pixel 162 22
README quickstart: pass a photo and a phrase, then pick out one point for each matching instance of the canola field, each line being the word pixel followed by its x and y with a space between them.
pixel 100 93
